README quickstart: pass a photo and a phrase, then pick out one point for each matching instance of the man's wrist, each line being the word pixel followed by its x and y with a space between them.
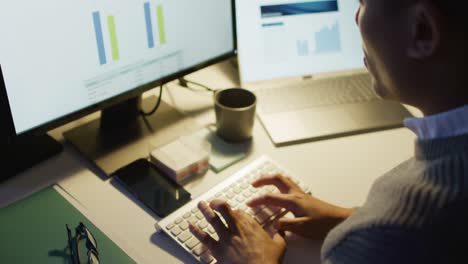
pixel 344 213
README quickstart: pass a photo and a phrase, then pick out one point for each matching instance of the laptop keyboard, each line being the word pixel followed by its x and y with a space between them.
pixel 316 93
pixel 236 190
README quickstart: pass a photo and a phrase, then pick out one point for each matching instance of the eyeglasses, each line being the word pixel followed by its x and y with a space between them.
pixel 82 232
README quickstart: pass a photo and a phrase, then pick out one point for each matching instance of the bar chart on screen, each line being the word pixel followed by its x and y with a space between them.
pixel 158 17
pixel 91 50
pixel 139 27
pixel 105 26
pixel 113 40
pixel 281 28
pixel 326 40
pixel 312 35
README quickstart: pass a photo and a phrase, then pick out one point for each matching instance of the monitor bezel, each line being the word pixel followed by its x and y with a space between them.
pixel 6 114
pixel 7 131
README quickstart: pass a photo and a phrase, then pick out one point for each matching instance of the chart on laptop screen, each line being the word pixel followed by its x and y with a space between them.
pixel 297 38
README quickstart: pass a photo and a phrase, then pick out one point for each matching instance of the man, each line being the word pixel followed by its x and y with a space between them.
pixel 416 52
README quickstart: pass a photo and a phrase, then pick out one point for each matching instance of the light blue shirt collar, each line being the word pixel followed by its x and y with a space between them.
pixel 447 124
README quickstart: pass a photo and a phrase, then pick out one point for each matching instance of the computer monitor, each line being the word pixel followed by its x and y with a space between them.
pixel 278 39
pixel 62 60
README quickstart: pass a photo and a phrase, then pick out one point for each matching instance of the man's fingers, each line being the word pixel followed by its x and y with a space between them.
pixel 281 182
pixel 204 237
pixel 295 225
pixel 213 219
pixel 279 239
pixel 279 200
pixel 226 212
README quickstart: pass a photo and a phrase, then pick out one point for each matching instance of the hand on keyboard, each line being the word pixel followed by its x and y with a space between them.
pixel 241 238
pixel 313 218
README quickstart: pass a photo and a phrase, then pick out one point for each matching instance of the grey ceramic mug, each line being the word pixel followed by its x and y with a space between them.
pixel 235 114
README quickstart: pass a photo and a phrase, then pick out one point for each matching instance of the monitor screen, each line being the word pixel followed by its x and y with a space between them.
pixel 296 38
pixel 60 57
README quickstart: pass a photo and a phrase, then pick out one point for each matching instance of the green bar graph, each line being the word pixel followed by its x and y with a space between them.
pixel 113 38
pixel 162 32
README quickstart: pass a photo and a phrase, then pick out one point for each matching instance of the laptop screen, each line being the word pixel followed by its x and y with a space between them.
pixel 288 38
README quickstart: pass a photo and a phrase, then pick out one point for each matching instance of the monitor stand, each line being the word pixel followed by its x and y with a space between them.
pixel 122 135
pixel 26 152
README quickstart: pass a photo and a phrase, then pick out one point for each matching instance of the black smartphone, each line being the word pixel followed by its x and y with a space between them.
pixel 150 186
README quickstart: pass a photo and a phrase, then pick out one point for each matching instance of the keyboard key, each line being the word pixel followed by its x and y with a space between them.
pixel 203 224
pixel 192 243
pixel 240 199
pixel 184 225
pixel 195 210
pixel 273 209
pixel 199 215
pixel 178 221
pixel 176 231
pixel 192 220
pixel 170 226
pixel 184 236
pixel 211 230
pixel 198 250
pixel 237 190
pixel 250 212
pixel 207 258
pixel 270 211
pixel 233 203
pixel 187 215
pixel 254 190
pixel 247 193
pixel 262 217
pixel 253 211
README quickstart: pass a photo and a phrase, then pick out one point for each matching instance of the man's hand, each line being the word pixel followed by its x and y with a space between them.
pixel 242 240
pixel 313 218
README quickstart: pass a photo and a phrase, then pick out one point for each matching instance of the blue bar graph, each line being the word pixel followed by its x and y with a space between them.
pixel 328 39
pixel 301 8
pixel 149 25
pixel 99 38
pixel 303 48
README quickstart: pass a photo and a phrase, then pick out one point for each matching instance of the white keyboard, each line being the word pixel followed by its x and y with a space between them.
pixel 236 190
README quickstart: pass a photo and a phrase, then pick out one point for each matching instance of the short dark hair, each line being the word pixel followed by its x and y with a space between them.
pixel 448 7
pixel 453 13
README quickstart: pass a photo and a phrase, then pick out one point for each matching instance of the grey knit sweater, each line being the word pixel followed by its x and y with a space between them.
pixel 416 213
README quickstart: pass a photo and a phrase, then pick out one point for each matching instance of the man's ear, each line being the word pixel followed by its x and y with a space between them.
pixel 425 30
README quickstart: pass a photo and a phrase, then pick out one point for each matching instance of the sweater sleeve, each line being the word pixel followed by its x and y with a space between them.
pixel 380 245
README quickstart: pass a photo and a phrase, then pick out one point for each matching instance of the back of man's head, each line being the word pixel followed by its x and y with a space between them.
pixel 422 44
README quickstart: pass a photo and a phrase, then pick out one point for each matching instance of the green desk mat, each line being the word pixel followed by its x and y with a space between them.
pixel 33 231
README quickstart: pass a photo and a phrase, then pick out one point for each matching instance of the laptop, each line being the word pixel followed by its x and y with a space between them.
pixel 304 61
